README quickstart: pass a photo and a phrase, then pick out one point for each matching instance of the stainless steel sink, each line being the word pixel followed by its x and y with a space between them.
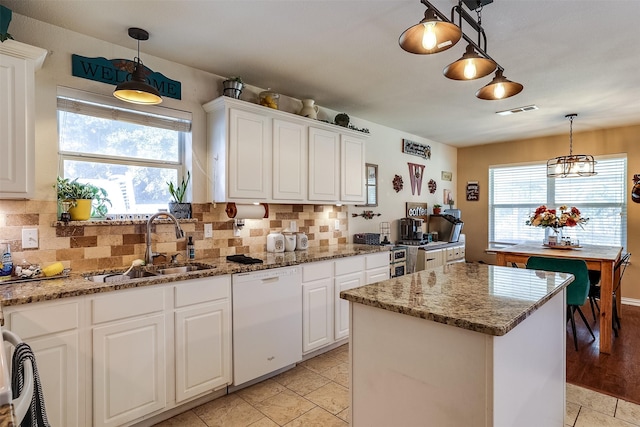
pixel 119 277
pixel 183 269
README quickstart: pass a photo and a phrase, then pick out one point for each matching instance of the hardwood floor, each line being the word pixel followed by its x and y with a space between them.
pixel 616 374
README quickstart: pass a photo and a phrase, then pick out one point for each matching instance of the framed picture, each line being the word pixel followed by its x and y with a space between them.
pixel 473 191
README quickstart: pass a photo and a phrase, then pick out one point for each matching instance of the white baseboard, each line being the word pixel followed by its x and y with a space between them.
pixel 631 301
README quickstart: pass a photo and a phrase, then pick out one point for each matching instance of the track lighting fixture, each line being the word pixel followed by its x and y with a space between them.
pixel 137 90
pixel 435 33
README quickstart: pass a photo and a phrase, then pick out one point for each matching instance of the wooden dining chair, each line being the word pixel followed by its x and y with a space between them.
pixel 577 291
pixel 621 265
pixel 594 291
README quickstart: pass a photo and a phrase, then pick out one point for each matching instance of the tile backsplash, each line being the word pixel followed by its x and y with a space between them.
pixel 84 246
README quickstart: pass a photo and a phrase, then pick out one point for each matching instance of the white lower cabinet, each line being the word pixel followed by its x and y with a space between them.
pixel 317 305
pixel 202 336
pixel 344 283
pixel 129 355
pixel 52 331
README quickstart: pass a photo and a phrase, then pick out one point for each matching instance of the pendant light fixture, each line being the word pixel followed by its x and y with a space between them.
pixel 430 35
pixel 499 88
pixel 436 33
pixel 137 90
pixel 573 165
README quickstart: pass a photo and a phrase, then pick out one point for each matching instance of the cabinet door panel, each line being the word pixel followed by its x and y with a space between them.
pixel 59 371
pixel 128 370
pixel 324 165
pixel 249 166
pixel 203 349
pixel 317 319
pixel 352 173
pixel 377 275
pixel 344 283
pixel 289 161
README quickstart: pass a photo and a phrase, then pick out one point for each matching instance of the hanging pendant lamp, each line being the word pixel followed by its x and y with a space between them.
pixel 470 67
pixel 573 165
pixel 137 90
pixel 430 35
pixel 499 88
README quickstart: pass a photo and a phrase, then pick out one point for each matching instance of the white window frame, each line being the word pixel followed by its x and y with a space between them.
pixel 549 200
pixel 110 108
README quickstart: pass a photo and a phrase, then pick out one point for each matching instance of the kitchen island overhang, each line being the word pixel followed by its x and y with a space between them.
pixel 464 344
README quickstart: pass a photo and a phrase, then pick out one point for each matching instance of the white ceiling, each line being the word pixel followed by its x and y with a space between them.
pixel 572 56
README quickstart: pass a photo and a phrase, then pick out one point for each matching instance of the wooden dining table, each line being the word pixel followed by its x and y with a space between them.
pixel 600 258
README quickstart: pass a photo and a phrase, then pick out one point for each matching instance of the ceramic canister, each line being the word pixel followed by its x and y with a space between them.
pixel 289 242
pixel 302 242
pixel 275 242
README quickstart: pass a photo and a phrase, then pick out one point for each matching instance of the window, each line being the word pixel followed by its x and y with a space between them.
pixel 515 191
pixel 130 153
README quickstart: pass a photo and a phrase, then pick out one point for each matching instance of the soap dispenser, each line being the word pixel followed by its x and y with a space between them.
pixel 191 249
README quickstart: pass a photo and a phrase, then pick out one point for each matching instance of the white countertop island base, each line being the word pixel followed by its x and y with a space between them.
pixel 410 371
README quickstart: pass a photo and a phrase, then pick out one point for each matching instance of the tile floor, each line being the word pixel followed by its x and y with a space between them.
pixel 315 394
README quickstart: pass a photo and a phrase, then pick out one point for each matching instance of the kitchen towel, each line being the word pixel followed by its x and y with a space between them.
pixel 36 415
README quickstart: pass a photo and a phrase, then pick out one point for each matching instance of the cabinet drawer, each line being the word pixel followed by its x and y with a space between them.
pixel 316 271
pixel 130 303
pixel 202 290
pixel 349 265
pixel 42 320
pixel 377 260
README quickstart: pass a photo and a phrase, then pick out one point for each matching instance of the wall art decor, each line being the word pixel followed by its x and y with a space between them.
pixel 398 184
pixel 417 210
pixel 635 191
pixel 432 186
pixel 366 214
pixel 473 191
pixel 446 176
pixel 446 196
pixel 416 149
pixel 416 173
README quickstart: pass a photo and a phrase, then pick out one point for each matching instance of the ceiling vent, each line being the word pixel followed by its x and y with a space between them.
pixel 517 110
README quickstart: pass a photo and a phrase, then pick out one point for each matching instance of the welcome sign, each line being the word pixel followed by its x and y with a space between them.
pixel 116 71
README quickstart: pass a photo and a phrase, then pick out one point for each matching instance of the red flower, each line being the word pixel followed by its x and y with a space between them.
pixel 575 211
pixel 571 222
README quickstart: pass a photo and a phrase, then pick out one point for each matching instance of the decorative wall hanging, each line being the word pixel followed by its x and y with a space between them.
pixel 446 176
pixel 416 173
pixel 398 184
pixel 432 186
pixel 366 214
pixel 416 149
pixel 115 71
pixel 417 210
pixel 635 191
pixel 446 196
pixel 473 191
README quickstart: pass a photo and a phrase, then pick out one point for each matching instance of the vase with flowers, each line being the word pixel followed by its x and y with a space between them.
pixel 554 222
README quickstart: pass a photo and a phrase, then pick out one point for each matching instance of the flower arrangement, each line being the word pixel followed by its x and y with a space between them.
pixel 563 217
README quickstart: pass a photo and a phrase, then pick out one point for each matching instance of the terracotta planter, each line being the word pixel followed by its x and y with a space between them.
pixel 436 211
pixel 81 211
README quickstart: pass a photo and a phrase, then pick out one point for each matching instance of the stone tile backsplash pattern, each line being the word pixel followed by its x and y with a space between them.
pixel 95 247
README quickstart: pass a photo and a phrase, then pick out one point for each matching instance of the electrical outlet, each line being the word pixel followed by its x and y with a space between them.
pixel 208 231
pixel 29 238
pixel 336 224
pixel 293 226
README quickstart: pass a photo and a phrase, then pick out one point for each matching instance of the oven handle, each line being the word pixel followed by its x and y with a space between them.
pixel 22 403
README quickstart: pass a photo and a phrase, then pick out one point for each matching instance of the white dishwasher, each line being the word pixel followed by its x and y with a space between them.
pixel 267 322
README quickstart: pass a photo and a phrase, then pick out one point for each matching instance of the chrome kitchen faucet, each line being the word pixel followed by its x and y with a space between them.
pixel 149 255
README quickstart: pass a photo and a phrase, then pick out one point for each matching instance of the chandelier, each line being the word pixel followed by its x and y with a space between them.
pixel 435 33
pixel 573 165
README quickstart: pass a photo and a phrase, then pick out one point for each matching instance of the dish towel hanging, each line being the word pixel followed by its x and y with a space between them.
pixel 36 415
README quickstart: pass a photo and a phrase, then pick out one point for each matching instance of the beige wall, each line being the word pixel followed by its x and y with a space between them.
pixel 474 162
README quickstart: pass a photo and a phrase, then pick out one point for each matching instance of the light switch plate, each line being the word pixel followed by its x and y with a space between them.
pixel 336 224
pixel 29 238
pixel 208 231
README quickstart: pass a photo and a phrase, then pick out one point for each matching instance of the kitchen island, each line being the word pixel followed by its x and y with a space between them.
pixel 459 345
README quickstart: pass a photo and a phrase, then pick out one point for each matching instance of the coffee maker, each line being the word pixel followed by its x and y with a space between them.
pixel 411 231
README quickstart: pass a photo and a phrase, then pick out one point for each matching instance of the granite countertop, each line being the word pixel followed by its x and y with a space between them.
pixel 483 298
pixel 76 284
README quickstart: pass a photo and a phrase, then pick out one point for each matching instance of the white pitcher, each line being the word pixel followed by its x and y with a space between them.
pixel 309 109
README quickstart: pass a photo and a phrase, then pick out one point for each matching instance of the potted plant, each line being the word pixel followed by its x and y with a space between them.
pixel 436 209
pixel 83 200
pixel 178 207
pixel 232 87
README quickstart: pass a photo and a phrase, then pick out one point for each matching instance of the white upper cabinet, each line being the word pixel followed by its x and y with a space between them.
pixel 324 165
pixel 18 64
pixel 257 154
